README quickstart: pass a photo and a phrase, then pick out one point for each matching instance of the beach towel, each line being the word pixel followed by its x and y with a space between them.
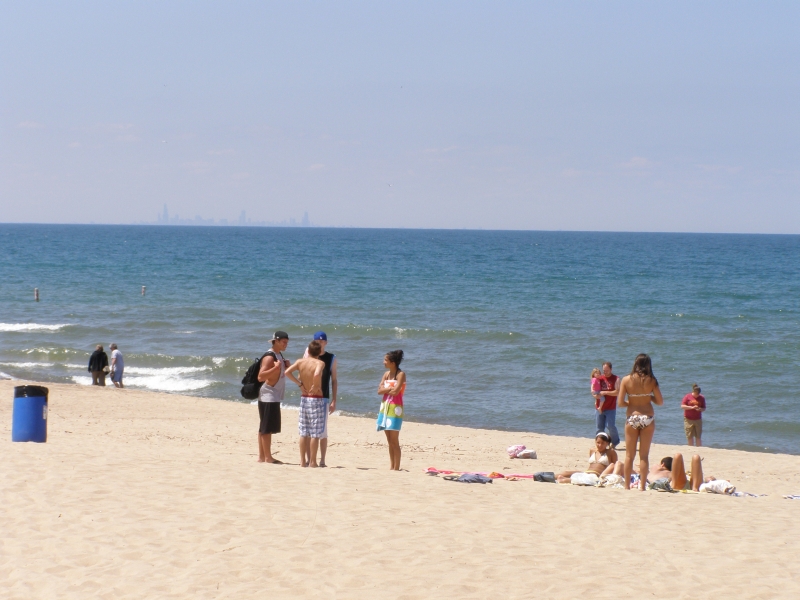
pixel 493 474
pixel 469 478
pixel 584 479
pixel 718 486
pixel 747 495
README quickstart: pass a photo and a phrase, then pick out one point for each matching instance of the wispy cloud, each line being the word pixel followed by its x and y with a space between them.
pixel 720 169
pixel 197 166
pixel 637 162
pixel 440 150
pixel 30 125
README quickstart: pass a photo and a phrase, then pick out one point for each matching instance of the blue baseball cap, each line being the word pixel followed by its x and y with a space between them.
pixel 320 335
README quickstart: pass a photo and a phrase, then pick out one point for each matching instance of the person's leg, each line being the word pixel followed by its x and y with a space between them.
pixel 94 378
pixel 611 424
pixel 304 448
pixel 393 438
pixel 323 450
pixel 600 421
pixel 103 378
pixel 312 452
pixel 262 454
pixel 699 432
pixel 565 476
pixel 631 438
pixel 619 468
pixel 266 440
pixel 609 470
pixel 645 440
pixel 697 472
pixel 678 477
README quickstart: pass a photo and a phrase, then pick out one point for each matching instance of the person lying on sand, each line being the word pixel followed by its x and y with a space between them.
pixel 672 469
pixel 602 460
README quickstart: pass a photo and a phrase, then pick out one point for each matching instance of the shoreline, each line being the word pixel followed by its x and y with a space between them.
pixel 141 494
pixel 345 413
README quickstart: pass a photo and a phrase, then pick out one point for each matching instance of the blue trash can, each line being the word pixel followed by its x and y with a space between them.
pixel 29 421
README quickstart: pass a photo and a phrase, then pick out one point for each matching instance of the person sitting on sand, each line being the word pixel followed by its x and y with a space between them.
pixel 602 460
pixel 313 408
pixel 638 392
pixel 672 469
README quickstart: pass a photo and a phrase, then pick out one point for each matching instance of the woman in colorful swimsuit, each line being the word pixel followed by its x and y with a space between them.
pixel 638 392
pixel 390 414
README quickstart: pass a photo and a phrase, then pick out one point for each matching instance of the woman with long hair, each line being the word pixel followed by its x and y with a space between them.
pixel 638 392
pixel 390 415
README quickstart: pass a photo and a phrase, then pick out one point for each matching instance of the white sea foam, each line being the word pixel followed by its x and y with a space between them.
pixel 31 327
pixel 5 375
pixel 167 384
pixel 154 382
pixel 26 365
pixel 218 360
pixel 164 371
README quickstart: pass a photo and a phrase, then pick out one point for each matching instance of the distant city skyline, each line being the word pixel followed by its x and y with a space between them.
pixel 164 218
pixel 617 116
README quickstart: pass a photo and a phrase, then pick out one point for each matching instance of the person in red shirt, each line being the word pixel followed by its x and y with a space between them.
pixel 607 409
pixel 693 406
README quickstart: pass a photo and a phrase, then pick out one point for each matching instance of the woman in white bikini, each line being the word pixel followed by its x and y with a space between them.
pixel 602 459
pixel 638 392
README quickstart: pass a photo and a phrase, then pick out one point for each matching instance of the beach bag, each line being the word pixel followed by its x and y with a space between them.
pixel 251 386
pixel 514 450
pixel 545 477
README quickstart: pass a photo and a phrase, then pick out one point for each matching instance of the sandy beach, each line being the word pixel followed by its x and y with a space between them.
pixel 147 495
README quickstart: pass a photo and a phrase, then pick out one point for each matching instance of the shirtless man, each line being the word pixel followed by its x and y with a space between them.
pixel 312 403
pixel 672 468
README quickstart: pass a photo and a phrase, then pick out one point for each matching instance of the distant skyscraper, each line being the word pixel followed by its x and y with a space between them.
pixel 305 222
pixel 243 218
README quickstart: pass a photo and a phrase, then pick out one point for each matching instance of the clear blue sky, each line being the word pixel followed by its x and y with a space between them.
pixel 640 116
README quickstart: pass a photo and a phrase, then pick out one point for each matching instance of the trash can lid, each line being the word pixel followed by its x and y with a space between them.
pixel 30 391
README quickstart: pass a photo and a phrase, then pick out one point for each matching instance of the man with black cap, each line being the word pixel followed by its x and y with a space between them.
pixel 272 374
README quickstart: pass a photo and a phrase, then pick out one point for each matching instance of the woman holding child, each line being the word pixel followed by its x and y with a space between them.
pixel 638 392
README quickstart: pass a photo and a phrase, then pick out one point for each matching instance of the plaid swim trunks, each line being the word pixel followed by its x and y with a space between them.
pixel 312 416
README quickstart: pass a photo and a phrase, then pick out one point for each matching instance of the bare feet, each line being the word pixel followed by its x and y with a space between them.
pixel 274 461
pixel 261 460
pixel 322 463
pixel 313 465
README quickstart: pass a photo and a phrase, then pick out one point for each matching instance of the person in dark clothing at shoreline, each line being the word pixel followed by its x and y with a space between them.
pixel 98 366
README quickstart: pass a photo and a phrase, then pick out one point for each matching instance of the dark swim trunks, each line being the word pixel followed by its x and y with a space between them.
pixel 270 413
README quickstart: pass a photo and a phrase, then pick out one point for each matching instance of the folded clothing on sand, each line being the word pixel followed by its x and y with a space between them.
pixel 718 486
pixel 469 478
pixel 545 476
pixel 584 479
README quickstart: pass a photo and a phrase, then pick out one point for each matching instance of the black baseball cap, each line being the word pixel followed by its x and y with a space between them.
pixel 280 335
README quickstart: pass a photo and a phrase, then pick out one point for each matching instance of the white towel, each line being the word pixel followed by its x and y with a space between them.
pixel 718 486
pixel 584 479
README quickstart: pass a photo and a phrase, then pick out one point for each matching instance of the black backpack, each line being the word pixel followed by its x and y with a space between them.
pixel 251 386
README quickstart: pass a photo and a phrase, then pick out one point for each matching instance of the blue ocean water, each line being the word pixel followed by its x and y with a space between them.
pixel 500 329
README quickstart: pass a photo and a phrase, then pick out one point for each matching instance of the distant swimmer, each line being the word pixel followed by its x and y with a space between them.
pixel 313 408
pixel 272 374
pixel 638 392
pixel 391 412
